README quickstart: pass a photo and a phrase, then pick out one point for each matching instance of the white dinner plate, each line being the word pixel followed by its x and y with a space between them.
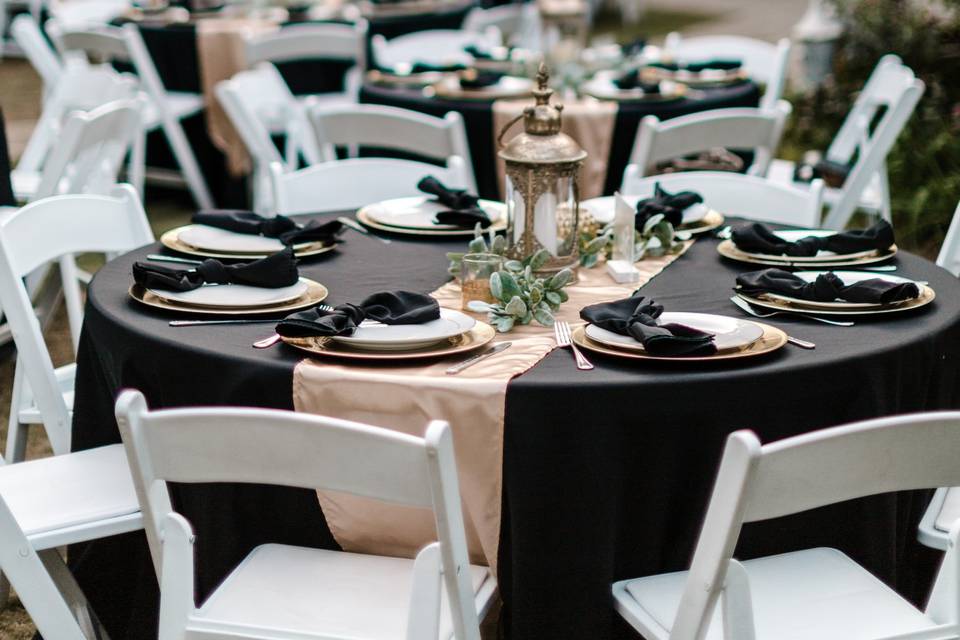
pixel 505 87
pixel 372 335
pixel 603 87
pixel 602 209
pixel 848 277
pixel 234 295
pixel 215 239
pixel 418 213
pixel 794 235
pixel 729 333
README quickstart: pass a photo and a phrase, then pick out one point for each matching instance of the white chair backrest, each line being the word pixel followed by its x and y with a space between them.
pixel 894 88
pixel 226 445
pixel 68 225
pixel 518 23
pixel 34 45
pixel 816 469
pixel 741 128
pixel 350 184
pixel 436 46
pixel 949 256
pixel 310 41
pixel 391 128
pixel 739 195
pixel 764 62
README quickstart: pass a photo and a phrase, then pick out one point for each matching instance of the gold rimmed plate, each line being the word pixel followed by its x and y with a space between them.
pixel 728 249
pixel 927 295
pixel 315 294
pixel 603 87
pixel 481 334
pixel 709 78
pixel 601 210
pixel 771 340
pixel 171 240
pixel 507 87
pixel 364 217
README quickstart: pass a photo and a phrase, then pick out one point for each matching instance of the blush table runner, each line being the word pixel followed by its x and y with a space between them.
pixel 406 397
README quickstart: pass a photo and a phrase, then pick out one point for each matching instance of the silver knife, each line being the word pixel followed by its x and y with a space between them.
pixel 495 349
pixel 359 228
pixel 156 257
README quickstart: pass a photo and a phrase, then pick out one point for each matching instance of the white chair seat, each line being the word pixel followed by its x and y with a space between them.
pixel 950 511
pixel 30 414
pixel 781 171
pixel 71 490
pixel 816 593
pixel 325 593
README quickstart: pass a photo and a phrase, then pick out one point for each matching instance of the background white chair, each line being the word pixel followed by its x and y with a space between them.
pixel 949 256
pixel 874 123
pixel 346 42
pixel 765 63
pixel 45 61
pixel 71 497
pixel 260 105
pixel 814 593
pixel 736 194
pixel 350 184
pixel 434 47
pixel 280 591
pixel 758 130
pixel 165 109
pixel 517 22
pixel 383 127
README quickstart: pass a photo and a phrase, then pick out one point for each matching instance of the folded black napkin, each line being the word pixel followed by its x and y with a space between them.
pixel 671 205
pixel 480 79
pixel 724 64
pixel 272 272
pixel 464 209
pixel 834 174
pixel 758 238
pixel 388 307
pixel 477 53
pixel 426 67
pixel 826 288
pixel 280 227
pixel 638 319
pixel 631 80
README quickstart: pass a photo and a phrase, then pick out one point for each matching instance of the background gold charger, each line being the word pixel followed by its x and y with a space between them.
pixel 316 293
pixel 729 250
pixel 171 240
pixel 927 295
pixel 367 221
pixel 480 335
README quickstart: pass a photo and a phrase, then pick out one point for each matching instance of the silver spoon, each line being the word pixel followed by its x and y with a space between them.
pixel 746 308
pixel 269 341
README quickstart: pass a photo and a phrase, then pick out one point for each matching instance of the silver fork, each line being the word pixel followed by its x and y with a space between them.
pixel 269 341
pixel 746 308
pixel 561 330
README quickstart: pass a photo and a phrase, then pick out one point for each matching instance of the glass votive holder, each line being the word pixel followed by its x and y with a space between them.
pixel 475 272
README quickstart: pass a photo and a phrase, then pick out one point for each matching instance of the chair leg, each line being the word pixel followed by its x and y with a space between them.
pixel 885 211
pixel 188 164
pixel 17 432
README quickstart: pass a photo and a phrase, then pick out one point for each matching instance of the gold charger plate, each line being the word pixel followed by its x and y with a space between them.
pixel 409 80
pixel 315 294
pixel 709 222
pixel 927 295
pixel 729 250
pixel 771 340
pixel 364 217
pixel 481 334
pixel 171 240
pixel 695 79
pixel 669 91
pixel 508 87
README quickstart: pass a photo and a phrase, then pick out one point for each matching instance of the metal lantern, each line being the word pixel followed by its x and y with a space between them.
pixel 565 27
pixel 543 196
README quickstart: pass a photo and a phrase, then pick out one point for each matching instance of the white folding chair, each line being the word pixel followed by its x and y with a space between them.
pixel 764 62
pixel 758 130
pixel 814 593
pixel 281 591
pixel 392 128
pixel 434 46
pixel 353 183
pixel 736 194
pixel 165 110
pixel 518 23
pixel 45 61
pixel 949 256
pixel 70 497
pixel 893 88
pixel 259 104
pixel 317 42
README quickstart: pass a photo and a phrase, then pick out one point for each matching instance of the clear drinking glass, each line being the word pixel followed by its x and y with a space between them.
pixel 475 272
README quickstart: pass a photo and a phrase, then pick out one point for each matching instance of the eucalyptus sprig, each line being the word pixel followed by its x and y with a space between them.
pixel 657 238
pixel 497 245
pixel 522 297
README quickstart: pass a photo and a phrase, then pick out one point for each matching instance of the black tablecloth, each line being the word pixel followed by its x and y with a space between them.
pixel 6 189
pixel 606 474
pixel 478 120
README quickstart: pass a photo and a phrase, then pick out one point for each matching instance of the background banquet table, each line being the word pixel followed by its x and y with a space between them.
pixel 478 120
pixel 606 474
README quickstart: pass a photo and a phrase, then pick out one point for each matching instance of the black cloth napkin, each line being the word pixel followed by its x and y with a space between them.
pixel 388 307
pixel 480 79
pixel 826 288
pixel 464 209
pixel 280 227
pixel 671 205
pixel 834 174
pixel 758 238
pixel 639 319
pixel 631 80
pixel 272 272
pixel 477 53
pixel 426 67
pixel 724 64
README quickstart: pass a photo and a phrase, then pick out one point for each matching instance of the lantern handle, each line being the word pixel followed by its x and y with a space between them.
pixel 507 127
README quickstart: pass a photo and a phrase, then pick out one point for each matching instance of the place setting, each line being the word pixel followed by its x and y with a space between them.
pixel 632 86
pixel 714 72
pixel 449 212
pixel 685 210
pixel 479 84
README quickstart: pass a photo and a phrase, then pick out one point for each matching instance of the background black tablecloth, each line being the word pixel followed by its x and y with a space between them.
pixel 606 474
pixel 478 120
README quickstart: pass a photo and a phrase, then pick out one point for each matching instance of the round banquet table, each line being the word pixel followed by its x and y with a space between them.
pixel 478 120
pixel 606 474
